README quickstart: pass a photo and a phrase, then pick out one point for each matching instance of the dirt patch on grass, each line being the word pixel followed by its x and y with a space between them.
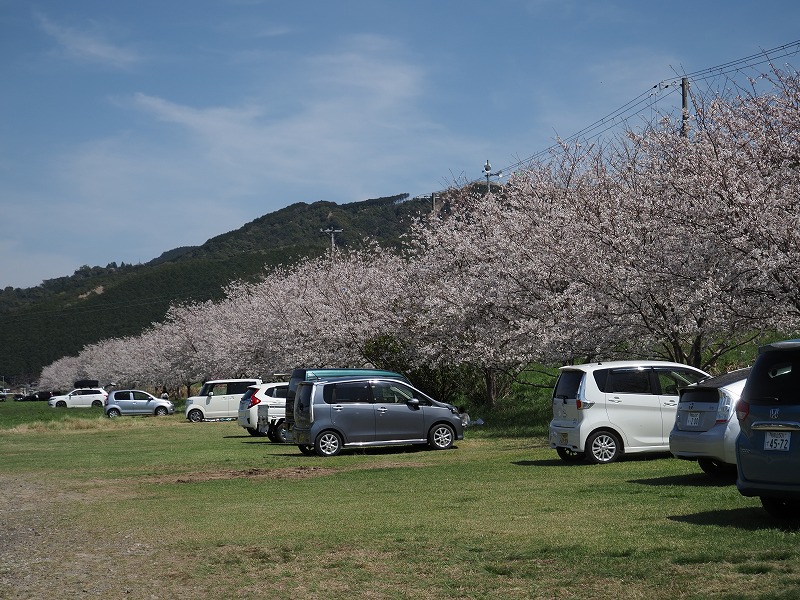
pixel 285 473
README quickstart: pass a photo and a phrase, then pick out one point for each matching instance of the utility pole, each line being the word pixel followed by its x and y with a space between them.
pixel 487 171
pixel 332 233
pixel 685 107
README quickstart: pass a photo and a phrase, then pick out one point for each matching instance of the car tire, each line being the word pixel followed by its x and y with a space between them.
pixel 569 455
pixel 61 404
pixel 255 432
pixel 97 403
pixel 113 413
pixel 306 449
pixel 717 468
pixel 781 508
pixel 195 416
pixel 603 447
pixel 441 437
pixel 329 443
pixel 162 411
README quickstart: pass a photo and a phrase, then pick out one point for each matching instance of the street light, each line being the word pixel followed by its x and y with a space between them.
pixel 487 170
pixel 332 232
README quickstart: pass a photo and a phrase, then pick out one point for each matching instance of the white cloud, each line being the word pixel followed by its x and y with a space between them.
pixel 83 46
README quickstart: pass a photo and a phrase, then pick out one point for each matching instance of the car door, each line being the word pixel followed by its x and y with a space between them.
pixel 633 407
pixel 142 403
pixel 81 398
pixel 395 418
pixel 670 381
pixel 352 411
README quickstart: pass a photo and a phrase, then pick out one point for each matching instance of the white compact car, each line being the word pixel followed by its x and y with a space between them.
pixel 81 397
pixel 262 410
pixel 218 399
pixel 602 410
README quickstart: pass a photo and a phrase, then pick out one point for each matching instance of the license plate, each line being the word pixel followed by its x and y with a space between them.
pixel 777 440
pixel 693 419
pixel 563 439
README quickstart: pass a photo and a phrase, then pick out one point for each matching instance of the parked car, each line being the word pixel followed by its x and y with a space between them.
pixel 269 397
pixel 706 426
pixel 305 374
pixel 79 398
pixel 218 399
pixel 768 446
pixel 136 402
pixel 356 412
pixel 41 395
pixel 602 410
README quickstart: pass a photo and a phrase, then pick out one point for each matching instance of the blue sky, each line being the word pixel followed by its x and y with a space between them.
pixel 132 127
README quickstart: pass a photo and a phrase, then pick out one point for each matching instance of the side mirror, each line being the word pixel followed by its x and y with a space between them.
pixel 211 393
pixel 413 403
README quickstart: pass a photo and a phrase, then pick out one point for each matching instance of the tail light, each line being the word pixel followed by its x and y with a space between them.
pixel 254 399
pixel 724 407
pixel 583 404
pixel 742 409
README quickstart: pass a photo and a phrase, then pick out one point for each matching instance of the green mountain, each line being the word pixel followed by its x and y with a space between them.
pixel 59 317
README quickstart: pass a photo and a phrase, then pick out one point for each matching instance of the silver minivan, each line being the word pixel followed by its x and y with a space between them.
pixel 344 413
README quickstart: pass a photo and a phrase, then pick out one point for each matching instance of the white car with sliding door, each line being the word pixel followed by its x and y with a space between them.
pixel 606 409
pixel 218 399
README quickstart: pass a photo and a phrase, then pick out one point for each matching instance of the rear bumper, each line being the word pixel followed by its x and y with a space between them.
pixel 716 443
pixel 565 437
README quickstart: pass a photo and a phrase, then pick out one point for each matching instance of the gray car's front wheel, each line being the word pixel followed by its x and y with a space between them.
pixel 162 411
pixel 603 447
pixel 329 443
pixel 441 437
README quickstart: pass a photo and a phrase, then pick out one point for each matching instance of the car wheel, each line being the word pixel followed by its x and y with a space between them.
pixel 306 449
pixel 162 411
pixel 441 437
pixel 113 413
pixel 329 443
pixel 195 416
pixel 603 447
pixel 281 434
pixel 61 404
pixel 781 508
pixel 255 432
pixel 569 455
pixel 717 468
pixel 97 403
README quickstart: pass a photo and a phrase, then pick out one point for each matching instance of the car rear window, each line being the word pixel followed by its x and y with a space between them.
pixel 775 379
pixel 568 384
pixel 700 395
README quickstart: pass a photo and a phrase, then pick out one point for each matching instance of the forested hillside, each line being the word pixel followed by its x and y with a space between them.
pixel 59 317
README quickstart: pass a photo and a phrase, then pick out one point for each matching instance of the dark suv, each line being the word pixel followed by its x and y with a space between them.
pixel 768 446
pixel 339 413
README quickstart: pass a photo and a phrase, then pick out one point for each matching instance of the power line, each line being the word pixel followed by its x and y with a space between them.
pixel 636 105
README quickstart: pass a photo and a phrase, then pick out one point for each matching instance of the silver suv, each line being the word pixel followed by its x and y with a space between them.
pixel 768 446
pixel 344 413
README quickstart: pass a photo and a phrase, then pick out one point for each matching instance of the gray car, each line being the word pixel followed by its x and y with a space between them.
pixel 345 413
pixel 136 402
pixel 768 446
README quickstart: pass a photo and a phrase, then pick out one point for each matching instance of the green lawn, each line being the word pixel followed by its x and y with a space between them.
pixel 162 508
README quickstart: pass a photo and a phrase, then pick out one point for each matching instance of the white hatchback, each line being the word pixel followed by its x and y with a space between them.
pixel 602 410
pixel 262 410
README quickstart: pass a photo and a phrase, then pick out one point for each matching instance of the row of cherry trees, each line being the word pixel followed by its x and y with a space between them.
pixel 654 243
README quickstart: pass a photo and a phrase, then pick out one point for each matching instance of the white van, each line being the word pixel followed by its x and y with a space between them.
pixel 602 410
pixel 218 399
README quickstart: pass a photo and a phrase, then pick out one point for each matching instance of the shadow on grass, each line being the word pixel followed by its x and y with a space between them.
pixel 749 519
pixel 691 479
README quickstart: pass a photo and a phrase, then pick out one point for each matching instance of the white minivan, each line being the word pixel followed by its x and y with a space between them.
pixel 218 399
pixel 602 410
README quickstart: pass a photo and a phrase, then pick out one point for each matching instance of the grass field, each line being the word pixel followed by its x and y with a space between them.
pixel 161 508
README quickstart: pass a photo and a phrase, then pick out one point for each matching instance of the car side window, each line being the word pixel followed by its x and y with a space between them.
pixel 239 387
pixel 629 381
pixel 351 393
pixel 137 395
pixel 671 380
pixel 391 393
